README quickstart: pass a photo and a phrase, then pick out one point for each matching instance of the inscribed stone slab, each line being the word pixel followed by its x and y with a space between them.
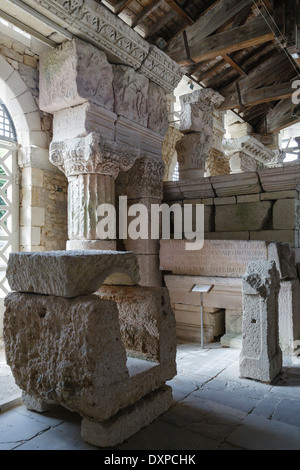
pixel 217 257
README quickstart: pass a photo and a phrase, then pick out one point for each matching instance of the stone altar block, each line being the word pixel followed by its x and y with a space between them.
pixel 71 351
pixel 261 357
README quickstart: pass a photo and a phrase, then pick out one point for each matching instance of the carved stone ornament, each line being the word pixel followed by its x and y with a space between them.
pixel 146 178
pixel 250 146
pixel 94 23
pixel 92 154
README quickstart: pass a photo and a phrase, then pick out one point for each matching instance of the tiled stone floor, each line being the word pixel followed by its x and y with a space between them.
pixel 213 409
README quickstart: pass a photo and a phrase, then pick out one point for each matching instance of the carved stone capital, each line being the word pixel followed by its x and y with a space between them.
pixel 92 154
pixel 197 110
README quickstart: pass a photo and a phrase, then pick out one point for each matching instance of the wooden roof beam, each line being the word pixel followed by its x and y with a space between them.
pixel 234 64
pixel 121 6
pixel 209 21
pixel 251 34
pixel 261 95
pixel 145 12
pixel 180 11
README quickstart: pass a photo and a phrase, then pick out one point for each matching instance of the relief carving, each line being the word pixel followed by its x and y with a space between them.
pixel 92 154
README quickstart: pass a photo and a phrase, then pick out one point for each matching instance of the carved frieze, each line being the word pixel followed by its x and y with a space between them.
pixel 145 179
pixel 250 146
pixel 94 23
pixel 92 154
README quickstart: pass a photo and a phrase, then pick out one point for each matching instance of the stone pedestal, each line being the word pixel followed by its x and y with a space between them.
pixel 261 357
pixel 106 356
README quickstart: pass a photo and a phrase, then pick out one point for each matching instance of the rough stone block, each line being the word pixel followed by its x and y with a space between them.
pixel 233 327
pixel 261 357
pixel 289 318
pixel 146 320
pixel 240 217
pixel 291 237
pixel 80 120
pixel 69 352
pixel 58 348
pixel 72 74
pixel 67 273
pixel 128 421
pixel 286 214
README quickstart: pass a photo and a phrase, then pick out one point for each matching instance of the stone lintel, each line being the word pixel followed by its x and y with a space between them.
pixel 67 273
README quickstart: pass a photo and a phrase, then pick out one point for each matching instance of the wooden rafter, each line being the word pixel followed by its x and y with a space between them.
pixel 180 11
pixel 145 12
pixel 261 95
pixel 212 19
pixel 234 64
pixel 121 6
pixel 253 33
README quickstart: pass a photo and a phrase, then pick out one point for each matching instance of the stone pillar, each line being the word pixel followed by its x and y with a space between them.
pixel 91 165
pixel 217 162
pixel 197 126
pixel 261 357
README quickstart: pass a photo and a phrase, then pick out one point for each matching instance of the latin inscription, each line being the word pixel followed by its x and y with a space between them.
pixel 217 258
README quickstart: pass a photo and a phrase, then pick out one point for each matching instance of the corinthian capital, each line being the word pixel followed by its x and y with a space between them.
pixel 92 154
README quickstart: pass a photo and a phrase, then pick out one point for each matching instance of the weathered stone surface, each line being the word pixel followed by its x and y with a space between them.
pixel 236 184
pixel 131 94
pixel 286 214
pixel 72 74
pixel 158 109
pixel 146 320
pixel 80 120
pixel 233 326
pixel 245 216
pixel 227 292
pixel 192 151
pixel 67 273
pixel 128 421
pixel 69 352
pixel 289 321
pixel 58 348
pixel 217 257
pixel 261 357
pixel 197 111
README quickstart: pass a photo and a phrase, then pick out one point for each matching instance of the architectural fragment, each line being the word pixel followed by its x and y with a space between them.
pixel 197 126
pixel 70 348
pixel 74 73
pixel 68 273
pixel 261 357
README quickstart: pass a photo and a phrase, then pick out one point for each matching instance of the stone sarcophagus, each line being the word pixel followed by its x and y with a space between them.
pixel 83 350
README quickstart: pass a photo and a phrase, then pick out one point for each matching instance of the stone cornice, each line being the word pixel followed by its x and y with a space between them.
pixel 94 23
pixel 250 146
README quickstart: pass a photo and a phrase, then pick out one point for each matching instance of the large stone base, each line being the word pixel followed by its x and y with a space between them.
pixel 128 421
pixel 261 370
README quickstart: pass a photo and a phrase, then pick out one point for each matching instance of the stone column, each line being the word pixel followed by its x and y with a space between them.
pixel 91 165
pixel 261 357
pixel 197 126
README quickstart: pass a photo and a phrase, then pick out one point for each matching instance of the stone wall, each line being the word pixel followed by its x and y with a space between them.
pixel 43 189
pixel 260 205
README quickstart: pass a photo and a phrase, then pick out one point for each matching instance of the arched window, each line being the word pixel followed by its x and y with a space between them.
pixel 9 195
